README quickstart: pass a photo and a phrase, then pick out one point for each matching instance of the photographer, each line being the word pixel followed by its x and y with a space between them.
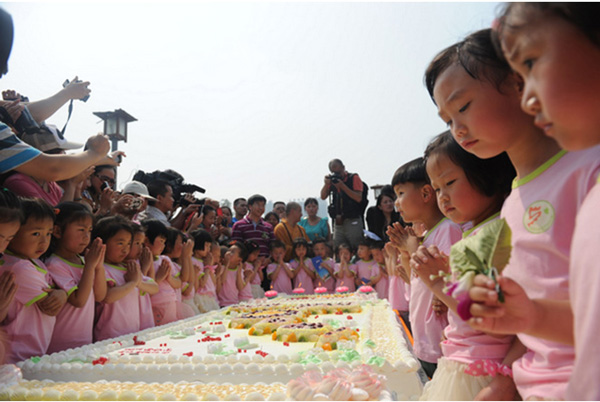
pixel 345 209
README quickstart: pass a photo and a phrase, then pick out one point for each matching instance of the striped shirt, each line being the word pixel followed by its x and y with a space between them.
pixel 13 152
pixel 261 233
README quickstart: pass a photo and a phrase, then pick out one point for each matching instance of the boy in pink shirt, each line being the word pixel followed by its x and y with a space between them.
pixel 367 270
pixel 328 282
pixel 416 202
pixel 205 296
pixel 345 273
pixel 382 285
pixel 280 272
pixel 31 314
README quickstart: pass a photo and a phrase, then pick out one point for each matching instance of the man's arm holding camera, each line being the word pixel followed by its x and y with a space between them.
pixel 326 188
pixel 63 167
pixel 43 109
pixel 353 194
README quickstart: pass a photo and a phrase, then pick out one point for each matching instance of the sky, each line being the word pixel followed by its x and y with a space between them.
pixel 244 98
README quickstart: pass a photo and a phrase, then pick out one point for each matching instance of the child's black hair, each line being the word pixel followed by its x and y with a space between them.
pixel 344 246
pixel 10 207
pixel 241 247
pixel 584 16
pixel 137 228
pixel 491 177
pixel 66 213
pixel 206 209
pixel 154 228
pixel 172 235
pixel 109 226
pixel 299 241
pixel 477 55
pixel 36 208
pixel 276 244
pixel 201 237
pixel 376 245
pixel 411 172
pixel 251 246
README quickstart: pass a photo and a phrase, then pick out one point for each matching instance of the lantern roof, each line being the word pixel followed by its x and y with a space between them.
pixel 118 113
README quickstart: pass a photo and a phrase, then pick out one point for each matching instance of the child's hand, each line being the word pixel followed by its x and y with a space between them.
pixel 8 288
pixel 438 307
pixel 54 302
pixel 163 271
pixel 188 248
pixel 516 314
pixel 403 239
pixel 94 255
pixel 501 388
pixel 146 260
pixel 133 274
pixel 429 261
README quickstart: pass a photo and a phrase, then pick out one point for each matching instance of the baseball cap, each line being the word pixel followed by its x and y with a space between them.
pixel 49 138
pixel 136 187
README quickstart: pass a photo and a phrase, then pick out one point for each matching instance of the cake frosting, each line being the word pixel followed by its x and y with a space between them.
pixel 359 332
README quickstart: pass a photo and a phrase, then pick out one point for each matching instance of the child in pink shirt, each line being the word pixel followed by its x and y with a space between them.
pixel 280 273
pixel 564 98
pixel 320 250
pixel 253 269
pixel 468 189
pixel 345 273
pixel 416 203
pixel 142 255
pixel 230 282
pixel 82 279
pixel 206 290
pixel 399 282
pixel 178 251
pixel 367 270
pixel 164 302
pixel 382 284
pixel 124 281
pixel 31 314
pixel 302 266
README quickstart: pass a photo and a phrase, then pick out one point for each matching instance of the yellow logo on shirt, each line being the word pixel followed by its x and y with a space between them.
pixel 539 217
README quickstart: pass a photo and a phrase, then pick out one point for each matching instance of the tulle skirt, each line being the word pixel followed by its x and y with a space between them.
pixel 451 383
pixel 190 303
pixel 257 291
pixel 206 302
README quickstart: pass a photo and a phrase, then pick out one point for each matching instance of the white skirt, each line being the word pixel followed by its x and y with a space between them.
pixel 451 383
pixel 190 302
pixel 206 302
pixel 257 291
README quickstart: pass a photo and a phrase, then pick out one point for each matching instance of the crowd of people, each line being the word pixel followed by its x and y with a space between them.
pixel 83 262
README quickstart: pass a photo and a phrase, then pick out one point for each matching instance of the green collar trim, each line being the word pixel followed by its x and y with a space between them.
pixel 491 218
pixel 541 169
pixel 69 262
pixel 116 267
pixel 430 231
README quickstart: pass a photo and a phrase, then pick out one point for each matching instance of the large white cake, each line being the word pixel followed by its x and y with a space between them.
pixel 214 356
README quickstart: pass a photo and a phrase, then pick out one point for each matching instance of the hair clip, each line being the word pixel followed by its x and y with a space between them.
pixel 56 211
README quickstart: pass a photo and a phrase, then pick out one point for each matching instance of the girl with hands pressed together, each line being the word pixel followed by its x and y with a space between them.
pixel 280 273
pixel 561 89
pixel 468 189
pixel 231 282
pixel 345 273
pixel 304 270
pixel 77 271
pixel 124 280
pixel 31 314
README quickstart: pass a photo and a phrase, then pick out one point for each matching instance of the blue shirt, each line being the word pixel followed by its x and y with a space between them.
pixel 320 229
pixel 13 151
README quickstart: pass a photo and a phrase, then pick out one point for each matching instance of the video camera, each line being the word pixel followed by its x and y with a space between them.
pixel 175 180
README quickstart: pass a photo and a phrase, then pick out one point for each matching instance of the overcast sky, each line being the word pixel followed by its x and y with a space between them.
pixel 244 98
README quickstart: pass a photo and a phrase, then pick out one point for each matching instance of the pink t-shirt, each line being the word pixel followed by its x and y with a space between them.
pixel 347 281
pixel 302 277
pixel 397 293
pixel 26 186
pixel 584 276
pixel 146 313
pixel 382 286
pixel 328 283
pixel 541 211
pixel 283 283
pixel 229 293
pixel 176 272
pixel 246 293
pixel 74 325
pixel 466 345
pixel 28 329
pixel 365 270
pixel 427 327
pixel 166 298
pixel 256 279
pixel 116 318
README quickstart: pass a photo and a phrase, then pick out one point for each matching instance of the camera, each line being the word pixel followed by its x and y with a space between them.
pixel 136 204
pixel 175 180
pixel 25 124
pixel 335 178
pixel 67 82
